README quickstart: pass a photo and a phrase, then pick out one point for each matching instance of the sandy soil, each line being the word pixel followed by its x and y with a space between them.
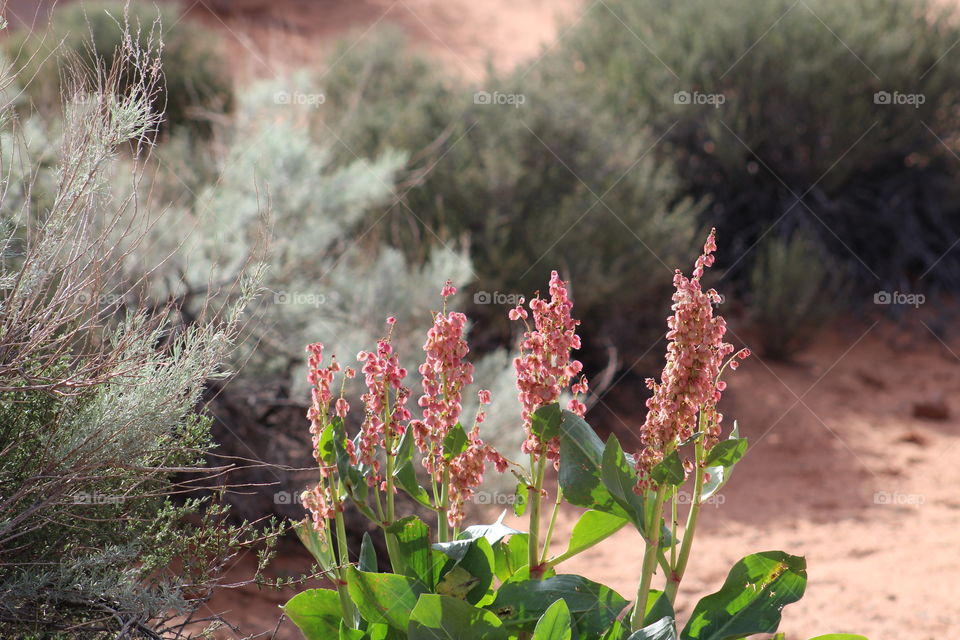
pixel 839 471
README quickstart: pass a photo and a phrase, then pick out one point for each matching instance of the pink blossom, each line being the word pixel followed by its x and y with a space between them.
pixel 448 289
pixel 319 502
pixel 483 396
pixel 466 473
pixel 385 404
pixel 544 368
pixel 320 379
pixel 689 382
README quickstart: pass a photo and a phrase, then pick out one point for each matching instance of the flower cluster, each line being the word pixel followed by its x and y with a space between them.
pixel 319 500
pixel 690 379
pixel 544 368
pixel 445 372
pixel 385 403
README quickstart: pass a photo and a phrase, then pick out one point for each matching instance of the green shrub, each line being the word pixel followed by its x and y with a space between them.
pixel 533 186
pixel 793 294
pixel 98 394
pixel 798 119
pixel 88 36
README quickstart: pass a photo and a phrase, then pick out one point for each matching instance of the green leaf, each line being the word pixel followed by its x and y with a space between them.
pixel 493 533
pixel 751 598
pixel 510 555
pixel 669 470
pixel 455 442
pixel 581 453
pixel 658 607
pixel 592 527
pixel 368 555
pixel 406 478
pixel 554 624
pixel 479 562
pixel 620 478
pixel 385 598
pixel 616 631
pixel 714 483
pixel 545 421
pixel 346 633
pixel 520 499
pixel 593 607
pixel 437 617
pixel 840 636
pixel 317 543
pixel 727 453
pixel 662 629
pixel 404 452
pixel 457 583
pixel 316 612
pixel 413 541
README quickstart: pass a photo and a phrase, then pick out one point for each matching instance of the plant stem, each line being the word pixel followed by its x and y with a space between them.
pixel 673 584
pixel 443 525
pixel 650 556
pixel 537 469
pixel 553 522
pixel 343 560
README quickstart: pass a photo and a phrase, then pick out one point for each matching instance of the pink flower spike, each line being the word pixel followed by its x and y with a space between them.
pixel 448 289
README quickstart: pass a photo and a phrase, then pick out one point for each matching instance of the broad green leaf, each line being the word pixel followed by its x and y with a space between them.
pixel 662 629
pixel 717 478
pixel 413 541
pixel 727 453
pixel 545 421
pixel 510 554
pixel 457 583
pixel 520 499
pixel 455 442
pixel 368 554
pixel 554 624
pixel 669 470
pixel 840 636
pixel 346 633
pixel 593 607
pixel 616 632
pixel 406 478
pixel 751 598
pixel 479 562
pixel 385 598
pixel 317 543
pixel 592 527
pixel 437 617
pixel 658 607
pixel 619 478
pixel 316 612
pixel 404 452
pixel 581 454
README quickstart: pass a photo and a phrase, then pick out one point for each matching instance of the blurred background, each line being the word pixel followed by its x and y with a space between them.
pixel 368 150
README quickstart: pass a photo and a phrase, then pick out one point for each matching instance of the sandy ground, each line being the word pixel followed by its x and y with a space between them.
pixel 839 471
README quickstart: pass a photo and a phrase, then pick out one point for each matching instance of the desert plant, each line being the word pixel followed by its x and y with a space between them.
pixel 489 582
pixel 531 174
pixel 85 37
pixel 99 421
pixel 792 294
pixel 834 118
